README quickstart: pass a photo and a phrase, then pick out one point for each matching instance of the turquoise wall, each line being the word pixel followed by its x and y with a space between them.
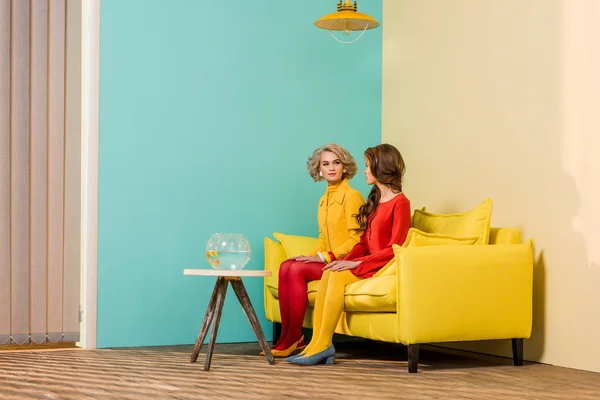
pixel 208 112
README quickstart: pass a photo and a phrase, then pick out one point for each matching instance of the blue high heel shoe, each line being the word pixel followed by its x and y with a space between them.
pixel 327 356
pixel 290 358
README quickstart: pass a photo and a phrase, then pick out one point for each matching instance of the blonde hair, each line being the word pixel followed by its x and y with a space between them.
pixel 345 157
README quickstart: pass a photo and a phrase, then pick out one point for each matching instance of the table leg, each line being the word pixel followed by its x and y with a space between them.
pixel 242 295
pixel 216 320
pixel 208 317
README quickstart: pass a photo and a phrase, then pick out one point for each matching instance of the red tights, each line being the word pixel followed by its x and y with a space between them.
pixel 293 279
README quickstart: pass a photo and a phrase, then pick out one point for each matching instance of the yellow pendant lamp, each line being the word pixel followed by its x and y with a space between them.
pixel 347 19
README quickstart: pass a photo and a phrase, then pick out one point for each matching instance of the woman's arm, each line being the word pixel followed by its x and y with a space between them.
pixel 352 203
pixel 359 249
pixel 321 245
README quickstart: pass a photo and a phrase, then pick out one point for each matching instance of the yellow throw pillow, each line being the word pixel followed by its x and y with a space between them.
pixel 388 269
pixel 468 224
pixel 417 238
pixel 297 245
pixel 274 254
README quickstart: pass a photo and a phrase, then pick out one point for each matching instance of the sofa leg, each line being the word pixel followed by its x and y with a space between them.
pixel 413 358
pixel 517 350
pixel 276 331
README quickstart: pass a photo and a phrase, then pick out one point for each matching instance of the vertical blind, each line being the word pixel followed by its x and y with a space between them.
pixel 40 170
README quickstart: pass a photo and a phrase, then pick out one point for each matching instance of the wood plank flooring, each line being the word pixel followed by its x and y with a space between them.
pixel 363 370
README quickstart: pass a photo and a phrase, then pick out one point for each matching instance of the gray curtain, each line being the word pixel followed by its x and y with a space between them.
pixel 40 170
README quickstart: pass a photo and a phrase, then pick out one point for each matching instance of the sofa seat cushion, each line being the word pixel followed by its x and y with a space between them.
pixel 376 294
pixel 313 287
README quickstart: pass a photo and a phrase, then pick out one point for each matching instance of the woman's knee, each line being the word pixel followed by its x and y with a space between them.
pixel 306 271
pixel 284 269
pixel 342 278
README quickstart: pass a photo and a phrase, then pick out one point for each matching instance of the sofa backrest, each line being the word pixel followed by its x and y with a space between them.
pixel 505 236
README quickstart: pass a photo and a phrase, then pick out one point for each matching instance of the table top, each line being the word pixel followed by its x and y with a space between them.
pixel 215 272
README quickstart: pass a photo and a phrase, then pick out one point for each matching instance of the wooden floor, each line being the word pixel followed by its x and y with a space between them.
pixel 362 371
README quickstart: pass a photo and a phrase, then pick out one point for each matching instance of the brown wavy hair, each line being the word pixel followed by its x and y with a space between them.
pixel 387 166
pixel 344 155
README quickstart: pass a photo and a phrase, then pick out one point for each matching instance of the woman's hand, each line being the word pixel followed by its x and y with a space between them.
pixel 342 265
pixel 308 259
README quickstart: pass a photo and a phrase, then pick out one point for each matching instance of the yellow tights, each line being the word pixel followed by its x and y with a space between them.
pixel 329 306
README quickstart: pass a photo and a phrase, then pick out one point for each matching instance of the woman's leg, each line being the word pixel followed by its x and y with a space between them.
pixel 318 310
pixel 284 301
pixel 332 310
pixel 299 274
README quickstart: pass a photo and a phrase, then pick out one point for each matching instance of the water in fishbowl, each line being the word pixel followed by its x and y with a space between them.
pixel 228 260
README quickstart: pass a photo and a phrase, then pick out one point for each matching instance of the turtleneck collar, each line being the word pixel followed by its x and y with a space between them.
pixel 333 188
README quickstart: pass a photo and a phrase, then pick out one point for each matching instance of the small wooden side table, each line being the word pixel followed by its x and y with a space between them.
pixel 215 308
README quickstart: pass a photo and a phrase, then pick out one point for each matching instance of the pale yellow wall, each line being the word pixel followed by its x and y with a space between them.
pixel 501 99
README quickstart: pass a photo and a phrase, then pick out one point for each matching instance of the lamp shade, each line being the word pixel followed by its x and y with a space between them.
pixel 346 21
pixel 347 18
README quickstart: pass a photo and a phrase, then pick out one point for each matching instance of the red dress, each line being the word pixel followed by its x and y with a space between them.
pixel 388 225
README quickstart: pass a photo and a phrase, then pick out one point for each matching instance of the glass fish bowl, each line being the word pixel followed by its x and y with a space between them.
pixel 228 251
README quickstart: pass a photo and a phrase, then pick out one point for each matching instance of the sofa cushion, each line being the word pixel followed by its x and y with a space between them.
pixel 471 223
pixel 297 245
pixel 417 238
pixel 388 269
pixel 372 294
pixel 376 294
pixel 313 287
pixel 505 236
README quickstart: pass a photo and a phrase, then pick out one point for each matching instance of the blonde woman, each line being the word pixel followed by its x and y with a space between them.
pixel 338 233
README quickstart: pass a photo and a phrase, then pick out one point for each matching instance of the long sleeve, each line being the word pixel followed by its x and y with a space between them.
pixel 352 203
pixel 359 249
pixel 400 224
pixel 322 243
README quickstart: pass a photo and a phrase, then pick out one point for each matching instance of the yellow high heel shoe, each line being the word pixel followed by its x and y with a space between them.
pixel 288 352
pixel 299 345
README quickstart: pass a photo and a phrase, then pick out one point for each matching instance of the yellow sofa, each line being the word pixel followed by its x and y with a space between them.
pixel 432 294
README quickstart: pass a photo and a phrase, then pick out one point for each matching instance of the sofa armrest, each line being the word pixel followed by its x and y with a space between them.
pixel 456 293
pixel 274 256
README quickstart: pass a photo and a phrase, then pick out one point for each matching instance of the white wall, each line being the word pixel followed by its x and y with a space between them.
pixel 501 99
pixel 90 57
